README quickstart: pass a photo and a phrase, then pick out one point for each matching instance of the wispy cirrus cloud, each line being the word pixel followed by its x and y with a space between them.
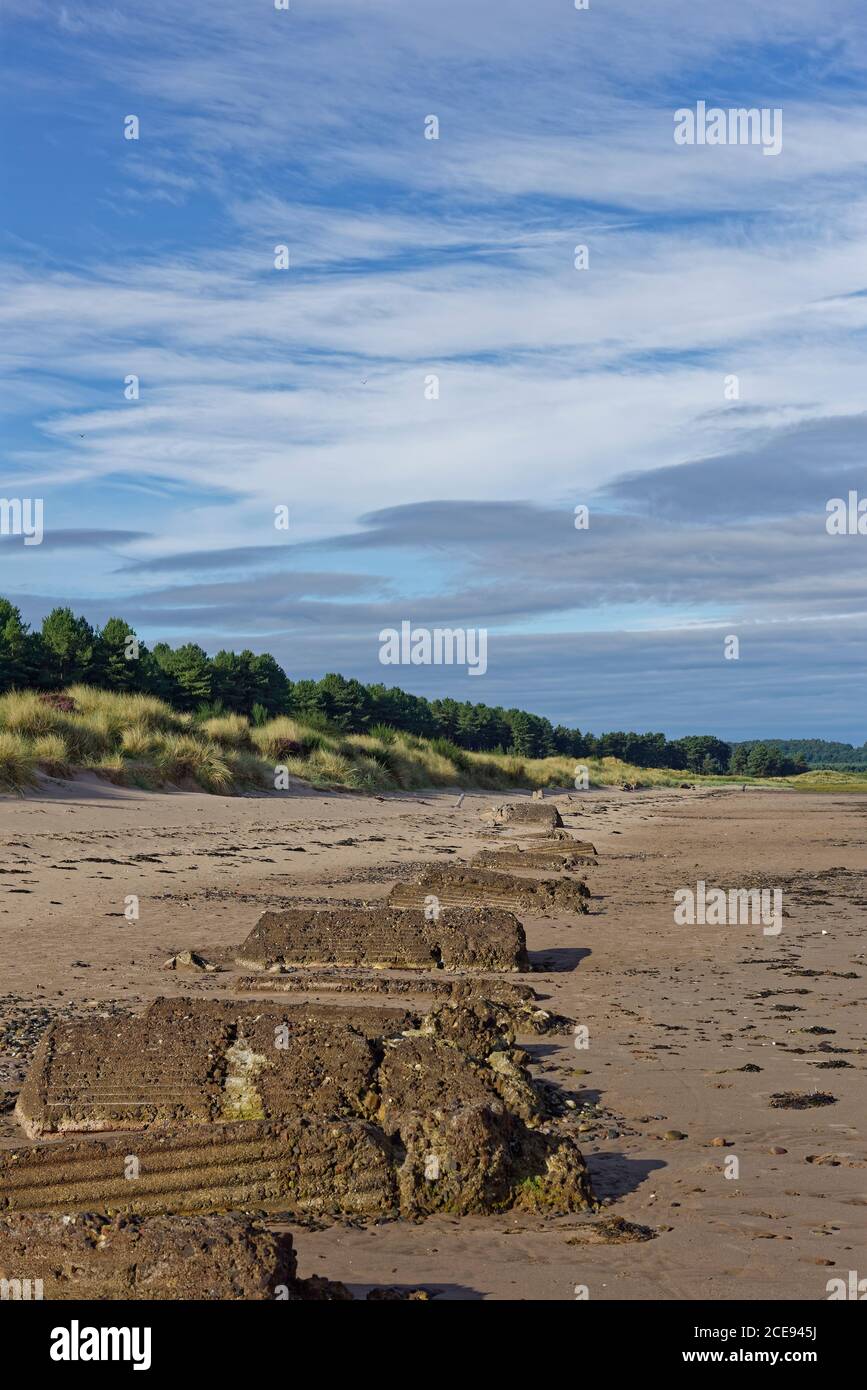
pixel 452 258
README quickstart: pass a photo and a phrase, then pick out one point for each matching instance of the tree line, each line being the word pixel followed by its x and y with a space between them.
pixel 820 752
pixel 67 649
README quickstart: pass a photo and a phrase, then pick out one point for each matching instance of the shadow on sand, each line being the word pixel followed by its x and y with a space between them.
pixel 613 1175
pixel 559 958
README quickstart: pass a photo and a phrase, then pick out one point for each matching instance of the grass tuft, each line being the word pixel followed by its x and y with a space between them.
pixel 284 738
pixel 229 730
pixel 184 758
pixel 51 754
pixel 17 763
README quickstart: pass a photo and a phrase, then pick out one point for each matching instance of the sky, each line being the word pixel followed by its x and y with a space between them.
pixel 432 387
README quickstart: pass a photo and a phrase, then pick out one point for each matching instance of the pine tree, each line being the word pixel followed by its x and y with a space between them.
pixel 190 670
pixel 19 650
pixel 116 669
pixel 69 647
pixel 269 685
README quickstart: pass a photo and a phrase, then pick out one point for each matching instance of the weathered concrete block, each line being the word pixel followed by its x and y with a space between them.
pixel 202 1061
pixel 384 936
pixel 328 1167
pixel 423 1075
pixel 330 1119
pixel 349 979
pixel 515 1004
pixel 485 1160
pixel 556 856
pixel 248 1061
pixel 460 886
pixel 92 1257
pixel 523 813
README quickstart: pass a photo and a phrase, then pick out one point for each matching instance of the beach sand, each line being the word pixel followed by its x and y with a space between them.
pixel 691 1028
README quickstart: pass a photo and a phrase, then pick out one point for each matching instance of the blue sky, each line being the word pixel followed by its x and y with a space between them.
pixel 411 257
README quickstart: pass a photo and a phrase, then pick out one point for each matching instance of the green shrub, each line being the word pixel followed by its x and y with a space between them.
pixel 383 733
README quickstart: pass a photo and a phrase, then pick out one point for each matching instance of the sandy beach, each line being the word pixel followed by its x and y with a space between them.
pixel 692 1029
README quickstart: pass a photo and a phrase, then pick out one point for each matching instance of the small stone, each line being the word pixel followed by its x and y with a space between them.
pixel 674 1134
pixel 776 1150
pixel 719 1142
pixel 187 960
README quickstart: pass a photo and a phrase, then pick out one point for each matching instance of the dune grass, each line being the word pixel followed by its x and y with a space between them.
pixel 51 753
pixel 17 762
pixel 138 740
pixel 279 739
pixel 827 780
pixel 229 730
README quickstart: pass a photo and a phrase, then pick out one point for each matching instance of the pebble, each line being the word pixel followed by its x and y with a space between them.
pixel 674 1134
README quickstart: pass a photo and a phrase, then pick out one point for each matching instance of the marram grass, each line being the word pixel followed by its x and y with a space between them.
pixel 138 740
pixel 17 762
